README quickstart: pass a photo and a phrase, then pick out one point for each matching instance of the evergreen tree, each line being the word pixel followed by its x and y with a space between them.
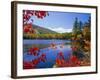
pixel 75 26
pixel 89 22
pixel 81 25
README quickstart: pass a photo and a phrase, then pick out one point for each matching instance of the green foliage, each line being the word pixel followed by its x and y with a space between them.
pixel 48 36
pixel 77 26
pixel 81 36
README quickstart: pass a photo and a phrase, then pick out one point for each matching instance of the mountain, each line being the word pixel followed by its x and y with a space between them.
pixel 42 30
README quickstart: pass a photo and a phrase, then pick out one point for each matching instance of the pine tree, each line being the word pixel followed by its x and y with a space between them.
pixel 89 22
pixel 75 26
pixel 80 25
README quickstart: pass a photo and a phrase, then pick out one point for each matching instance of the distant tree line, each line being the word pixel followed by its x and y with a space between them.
pixel 48 36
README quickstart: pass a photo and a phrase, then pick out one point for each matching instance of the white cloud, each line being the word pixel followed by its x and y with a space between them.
pixel 60 29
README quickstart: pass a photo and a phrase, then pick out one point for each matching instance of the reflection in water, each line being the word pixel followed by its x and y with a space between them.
pixel 50 51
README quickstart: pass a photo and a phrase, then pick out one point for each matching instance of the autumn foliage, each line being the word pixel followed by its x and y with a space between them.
pixel 32 64
pixel 28 13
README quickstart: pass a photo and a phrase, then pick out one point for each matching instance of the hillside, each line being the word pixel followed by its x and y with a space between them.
pixel 42 30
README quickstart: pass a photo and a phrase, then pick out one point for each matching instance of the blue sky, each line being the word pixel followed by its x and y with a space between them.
pixel 60 21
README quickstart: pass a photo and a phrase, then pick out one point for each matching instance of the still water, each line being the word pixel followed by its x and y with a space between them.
pixel 51 53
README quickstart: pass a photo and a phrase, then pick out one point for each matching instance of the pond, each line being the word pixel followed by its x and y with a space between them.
pixel 46 48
